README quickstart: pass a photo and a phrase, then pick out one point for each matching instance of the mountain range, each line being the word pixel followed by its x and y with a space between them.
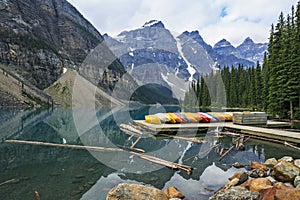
pixel 154 54
pixel 41 39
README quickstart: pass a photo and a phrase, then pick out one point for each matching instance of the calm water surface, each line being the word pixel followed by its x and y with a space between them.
pixel 61 173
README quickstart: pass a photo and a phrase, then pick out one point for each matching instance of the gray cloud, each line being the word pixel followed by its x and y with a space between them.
pixel 215 19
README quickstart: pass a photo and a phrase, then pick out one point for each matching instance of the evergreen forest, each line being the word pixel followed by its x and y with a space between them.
pixel 273 86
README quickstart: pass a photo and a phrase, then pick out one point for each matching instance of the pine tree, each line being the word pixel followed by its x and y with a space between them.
pixel 293 83
pixel 277 79
pixel 265 81
pixel 258 86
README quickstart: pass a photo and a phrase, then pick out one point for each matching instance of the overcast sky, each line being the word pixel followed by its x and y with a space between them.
pixel 214 19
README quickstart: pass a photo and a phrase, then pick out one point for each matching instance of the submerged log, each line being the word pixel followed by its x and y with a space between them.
pixel 6 182
pixel 169 164
pixel 137 140
pixel 132 149
pixel 195 140
pixel 94 148
pixel 202 152
pixel 227 152
pixel 131 128
pixel 290 145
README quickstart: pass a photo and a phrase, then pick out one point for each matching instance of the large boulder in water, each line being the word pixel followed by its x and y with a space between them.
pixel 125 191
pixel 285 171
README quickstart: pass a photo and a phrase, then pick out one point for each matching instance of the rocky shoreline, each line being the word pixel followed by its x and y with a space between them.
pixel 273 179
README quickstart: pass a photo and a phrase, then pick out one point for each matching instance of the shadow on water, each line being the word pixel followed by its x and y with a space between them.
pixel 61 173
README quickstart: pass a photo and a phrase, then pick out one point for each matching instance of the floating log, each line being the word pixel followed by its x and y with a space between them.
pixel 290 145
pixel 195 140
pixel 137 140
pixel 203 152
pixel 132 149
pixel 169 164
pixel 227 152
pixel 6 182
pixel 130 137
pixel 131 128
pixel 230 133
pixel 221 151
pixel 94 148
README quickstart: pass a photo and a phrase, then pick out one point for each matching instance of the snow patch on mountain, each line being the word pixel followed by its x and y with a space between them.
pixel 190 68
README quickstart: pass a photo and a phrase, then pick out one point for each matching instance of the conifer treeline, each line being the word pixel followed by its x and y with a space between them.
pixel 272 87
pixel 232 87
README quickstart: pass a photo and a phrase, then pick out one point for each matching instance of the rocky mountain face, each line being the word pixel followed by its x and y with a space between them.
pixel 38 38
pixel 248 50
pixel 154 54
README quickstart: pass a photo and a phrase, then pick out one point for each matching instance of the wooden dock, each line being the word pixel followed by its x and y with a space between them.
pixel 271 133
pixel 176 127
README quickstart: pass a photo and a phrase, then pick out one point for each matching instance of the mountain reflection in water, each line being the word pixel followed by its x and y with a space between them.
pixel 61 173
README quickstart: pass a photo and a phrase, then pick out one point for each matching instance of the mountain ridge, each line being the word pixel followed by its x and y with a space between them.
pixel 154 48
pixel 39 39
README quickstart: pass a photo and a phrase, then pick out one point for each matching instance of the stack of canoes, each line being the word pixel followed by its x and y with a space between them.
pixel 188 117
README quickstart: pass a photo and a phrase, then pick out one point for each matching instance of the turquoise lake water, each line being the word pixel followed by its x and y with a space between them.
pixel 61 173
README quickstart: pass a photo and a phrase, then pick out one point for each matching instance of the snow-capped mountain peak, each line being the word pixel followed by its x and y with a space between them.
pixel 154 54
pixel 222 43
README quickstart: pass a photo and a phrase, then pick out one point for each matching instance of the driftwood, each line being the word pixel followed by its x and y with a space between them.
pixel 290 145
pixel 137 140
pixel 131 128
pixel 169 164
pixel 229 133
pixel 202 152
pixel 240 142
pixel 94 148
pixel 130 137
pixel 195 140
pixel 227 152
pixel 221 151
pixel 132 149
pixel 6 182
